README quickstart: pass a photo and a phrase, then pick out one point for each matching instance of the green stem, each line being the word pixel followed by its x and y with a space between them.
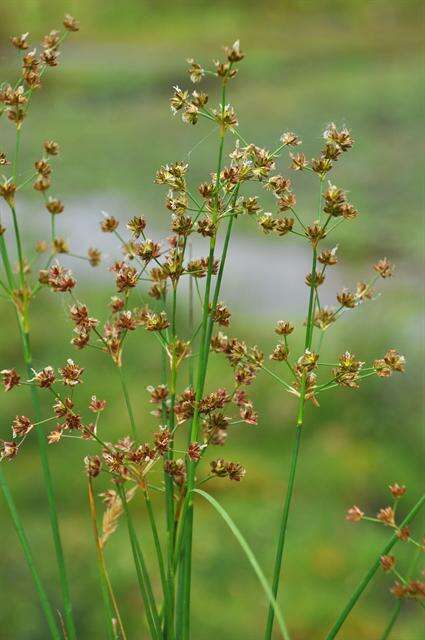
pixel 392 621
pixel 283 529
pixel 101 565
pixel 142 573
pixel 54 523
pixel 157 543
pixel 294 457
pixel 128 403
pixel 373 569
pixel 45 604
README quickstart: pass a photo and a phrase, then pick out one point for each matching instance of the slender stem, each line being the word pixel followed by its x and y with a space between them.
pixel 157 543
pixel 392 620
pixel 128 402
pixel 142 573
pixel 102 565
pixel 45 604
pixel 54 523
pixel 373 569
pixel 295 452
pixel 283 528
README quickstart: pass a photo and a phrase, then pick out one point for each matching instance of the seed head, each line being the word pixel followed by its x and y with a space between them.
pixel 397 491
pixel 21 426
pixel 384 268
pixel 387 562
pixel 20 42
pixel 10 378
pixel 386 515
pixel 70 23
pixel 354 514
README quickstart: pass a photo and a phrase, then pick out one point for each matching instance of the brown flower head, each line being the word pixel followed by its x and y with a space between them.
pixel 354 514
pixel 54 205
pixel 97 405
pixel 70 23
pixel 71 373
pixel 21 426
pixel 290 139
pixel 92 465
pixel 386 515
pixel 384 268
pixel 299 161
pixel 10 378
pixel 20 42
pixel 109 224
pixel 196 72
pixel 8 449
pixel 51 147
pixel 45 378
pixel 387 562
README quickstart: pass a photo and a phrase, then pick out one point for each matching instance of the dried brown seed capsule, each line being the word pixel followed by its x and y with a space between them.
pixel 403 534
pixel 354 514
pixel 21 426
pixel 70 23
pixel 8 449
pixel 387 562
pixel 109 224
pixel 396 490
pixel 195 71
pixel 222 315
pixel 284 328
pixel 54 206
pixel 321 165
pixel 328 257
pixel 43 167
pixel 136 226
pixel 279 353
pixel 45 378
pixel 347 299
pixel 42 183
pixel 290 139
pixel 10 378
pixel 126 278
pixel 226 117
pixel 97 405
pixel 194 451
pixel 94 256
pixel 384 268
pixel 51 147
pixel 399 590
pixel 316 233
pixel 235 471
pixel 234 53
pixel 283 226
pixel 51 40
pixel 299 161
pixel 386 515
pixel 20 42
pixel 71 373
pixel 7 190
pixel 342 139
pixel 50 57
pixel 315 280
pixel 3 159
pixel 92 465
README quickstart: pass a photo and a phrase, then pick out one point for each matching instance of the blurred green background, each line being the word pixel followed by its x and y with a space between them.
pixel 307 63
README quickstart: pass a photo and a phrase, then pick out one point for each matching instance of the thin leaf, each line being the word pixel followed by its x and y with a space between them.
pixel 251 557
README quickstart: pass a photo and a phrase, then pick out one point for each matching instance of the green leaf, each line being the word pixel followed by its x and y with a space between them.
pixel 251 557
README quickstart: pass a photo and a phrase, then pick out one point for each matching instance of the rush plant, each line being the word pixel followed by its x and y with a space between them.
pixel 165 294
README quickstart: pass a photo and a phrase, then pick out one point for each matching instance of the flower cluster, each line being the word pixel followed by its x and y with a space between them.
pixel 404 586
